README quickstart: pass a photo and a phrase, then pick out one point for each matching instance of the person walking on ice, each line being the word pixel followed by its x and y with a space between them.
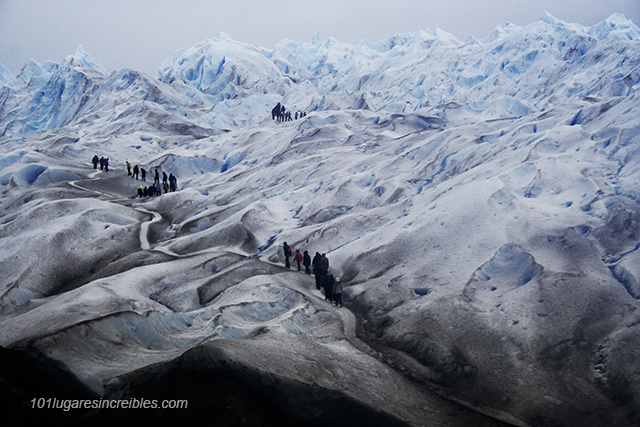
pixel 306 261
pixel 327 283
pixel 287 253
pixel 337 293
pixel 298 258
pixel 317 270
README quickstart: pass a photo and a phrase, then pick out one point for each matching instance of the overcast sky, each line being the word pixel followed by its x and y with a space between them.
pixel 140 34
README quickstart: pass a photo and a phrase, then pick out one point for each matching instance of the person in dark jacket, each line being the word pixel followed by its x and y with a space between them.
pixel 156 178
pixel 327 284
pixel 287 253
pixel 324 263
pixel 306 261
pixel 317 270
pixel 143 173
pixel 95 161
pixel 136 171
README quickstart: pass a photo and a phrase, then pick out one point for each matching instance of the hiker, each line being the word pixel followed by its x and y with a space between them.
pixel 101 163
pixel 298 258
pixel 128 168
pixel 136 170
pixel 143 173
pixel 140 192
pixel 106 164
pixel 173 182
pixel 327 284
pixel 165 186
pixel 306 261
pixel 337 293
pixel 275 112
pixel 164 177
pixel 324 263
pixel 95 161
pixel 287 253
pixel 158 188
pixel 156 178
pixel 317 270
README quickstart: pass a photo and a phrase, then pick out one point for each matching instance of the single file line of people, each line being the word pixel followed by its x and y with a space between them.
pixel 280 114
pixel 320 265
pixel 169 182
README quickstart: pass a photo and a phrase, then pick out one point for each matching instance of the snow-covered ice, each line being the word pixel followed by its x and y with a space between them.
pixel 479 201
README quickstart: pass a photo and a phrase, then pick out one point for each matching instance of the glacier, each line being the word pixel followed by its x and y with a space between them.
pixel 478 199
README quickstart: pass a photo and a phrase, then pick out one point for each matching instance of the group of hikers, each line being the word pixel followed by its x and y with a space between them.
pixel 320 265
pixel 169 183
pixel 280 113
pixel 104 163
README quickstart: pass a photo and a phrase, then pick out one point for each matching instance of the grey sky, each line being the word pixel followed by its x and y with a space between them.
pixel 140 34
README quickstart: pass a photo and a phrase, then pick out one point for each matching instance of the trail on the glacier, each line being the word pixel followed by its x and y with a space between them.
pixel 395 360
pixel 346 316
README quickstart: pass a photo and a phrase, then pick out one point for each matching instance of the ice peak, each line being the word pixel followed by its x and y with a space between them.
pixel 5 75
pixel 83 60
pixel 617 27
pixel 502 31
pixel 618 19
pixel 550 19
pixel 223 36
pixel 443 35
pixel 316 38
pixel 471 41
pixel 81 52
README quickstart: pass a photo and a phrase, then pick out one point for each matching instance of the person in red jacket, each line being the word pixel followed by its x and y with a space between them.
pixel 298 258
